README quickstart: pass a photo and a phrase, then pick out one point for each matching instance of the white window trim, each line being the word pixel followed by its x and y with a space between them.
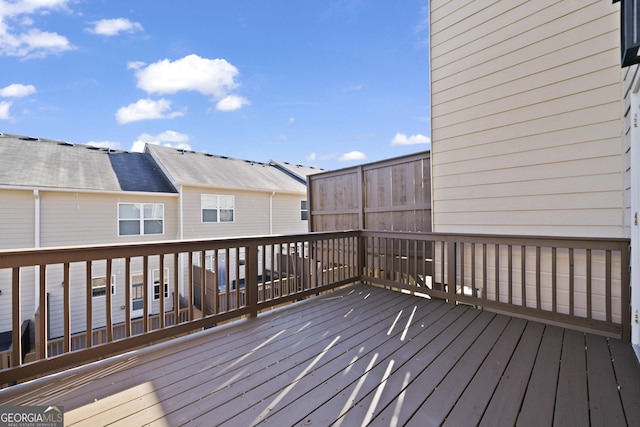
pixel 306 209
pixel 141 219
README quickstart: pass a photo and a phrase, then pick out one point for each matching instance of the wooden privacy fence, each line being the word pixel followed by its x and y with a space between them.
pixel 579 283
pixel 392 194
pixel 325 260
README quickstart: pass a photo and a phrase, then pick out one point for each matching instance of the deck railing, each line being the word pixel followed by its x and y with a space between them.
pixel 580 283
pixel 298 266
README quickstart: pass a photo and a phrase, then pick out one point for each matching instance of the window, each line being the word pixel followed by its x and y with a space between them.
pixel 630 31
pixel 99 286
pixel 137 293
pixel 304 213
pixel 217 208
pixel 156 284
pixel 140 219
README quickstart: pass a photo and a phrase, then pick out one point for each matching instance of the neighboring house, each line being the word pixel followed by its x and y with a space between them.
pixel 534 121
pixel 54 193
pixel 227 197
pixel 300 173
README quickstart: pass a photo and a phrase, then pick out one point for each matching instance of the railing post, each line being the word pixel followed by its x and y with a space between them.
pixel 451 270
pixel 251 279
pixel 361 250
pixel 625 292
pixel 16 310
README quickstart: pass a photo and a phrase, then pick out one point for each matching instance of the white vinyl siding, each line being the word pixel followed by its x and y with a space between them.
pixel 254 214
pixel 527 118
pixel 70 218
pixel 286 215
pixel 17 210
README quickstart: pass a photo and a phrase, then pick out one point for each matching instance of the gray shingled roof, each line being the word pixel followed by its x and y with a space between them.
pixel 299 172
pixel 35 162
pixel 208 170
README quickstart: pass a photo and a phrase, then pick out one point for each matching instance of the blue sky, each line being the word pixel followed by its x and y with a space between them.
pixel 323 83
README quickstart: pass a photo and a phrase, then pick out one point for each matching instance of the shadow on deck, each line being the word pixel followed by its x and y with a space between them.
pixel 357 356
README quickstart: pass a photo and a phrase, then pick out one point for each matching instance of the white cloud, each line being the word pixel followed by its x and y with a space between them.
pixel 135 65
pixel 312 157
pixel 421 30
pixel 18 38
pixel 403 139
pixel 113 27
pixel 20 7
pixel 17 90
pixel 4 110
pixel 292 120
pixel 105 144
pixel 231 103
pixel 215 77
pixel 167 138
pixel 354 88
pixel 146 109
pixel 352 155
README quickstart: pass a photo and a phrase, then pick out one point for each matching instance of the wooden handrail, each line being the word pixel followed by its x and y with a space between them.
pixel 66 274
pixel 580 283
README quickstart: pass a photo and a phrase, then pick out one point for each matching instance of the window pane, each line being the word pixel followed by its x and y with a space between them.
pixel 304 215
pixel 128 228
pixel 153 226
pixel 303 205
pixel 226 215
pixel 153 211
pixel 128 211
pixel 209 201
pixel 226 202
pixel 98 287
pixel 209 215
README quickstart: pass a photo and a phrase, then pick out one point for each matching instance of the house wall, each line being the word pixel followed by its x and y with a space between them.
pixel 71 218
pixel 18 218
pixel 286 214
pixel 527 118
pixel 256 214
pixel 74 218
pixel 632 190
pixel 252 216
pixel 16 231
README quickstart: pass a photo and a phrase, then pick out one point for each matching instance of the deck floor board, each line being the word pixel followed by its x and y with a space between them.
pixel 361 355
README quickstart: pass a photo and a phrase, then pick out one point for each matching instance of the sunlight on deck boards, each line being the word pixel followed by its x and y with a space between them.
pixel 357 356
pixel 144 395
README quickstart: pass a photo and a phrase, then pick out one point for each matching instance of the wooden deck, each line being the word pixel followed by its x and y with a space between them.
pixel 357 356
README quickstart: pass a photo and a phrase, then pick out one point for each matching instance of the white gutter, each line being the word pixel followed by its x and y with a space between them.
pixel 36 244
pixel 273 193
pixel 181 237
pixel 181 213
